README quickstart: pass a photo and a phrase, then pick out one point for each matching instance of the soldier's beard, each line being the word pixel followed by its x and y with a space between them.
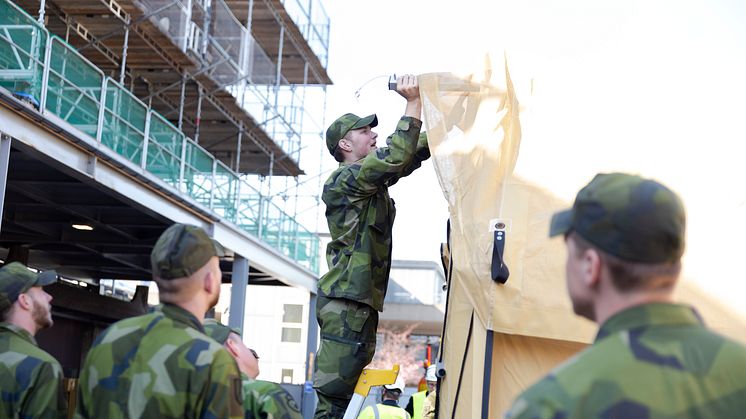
pixel 584 309
pixel 42 315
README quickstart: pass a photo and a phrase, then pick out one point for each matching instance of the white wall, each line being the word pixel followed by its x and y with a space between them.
pixel 263 327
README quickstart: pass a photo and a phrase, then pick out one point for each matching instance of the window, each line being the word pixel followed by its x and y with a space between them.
pixel 287 376
pixel 291 334
pixel 293 313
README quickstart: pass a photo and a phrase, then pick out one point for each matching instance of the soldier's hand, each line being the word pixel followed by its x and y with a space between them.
pixel 408 87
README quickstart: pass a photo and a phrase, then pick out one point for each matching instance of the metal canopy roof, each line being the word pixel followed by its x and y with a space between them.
pixel 43 200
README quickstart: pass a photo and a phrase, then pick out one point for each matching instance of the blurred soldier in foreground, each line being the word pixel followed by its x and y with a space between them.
pixel 360 215
pixel 30 379
pixel 651 357
pixel 161 364
pixel 261 399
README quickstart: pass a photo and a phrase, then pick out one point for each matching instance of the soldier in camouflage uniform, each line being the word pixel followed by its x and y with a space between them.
pixel 30 379
pixel 360 215
pixel 261 399
pixel 161 364
pixel 651 357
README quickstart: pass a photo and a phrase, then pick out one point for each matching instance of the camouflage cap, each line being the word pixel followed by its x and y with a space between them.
pixel 339 128
pixel 182 250
pixel 627 216
pixel 219 331
pixel 16 278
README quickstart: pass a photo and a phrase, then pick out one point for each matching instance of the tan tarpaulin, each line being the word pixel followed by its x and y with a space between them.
pixel 475 135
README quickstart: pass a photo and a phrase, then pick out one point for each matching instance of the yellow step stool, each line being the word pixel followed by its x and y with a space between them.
pixel 368 379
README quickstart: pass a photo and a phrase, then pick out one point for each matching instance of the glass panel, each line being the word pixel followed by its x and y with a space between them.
pixel 293 313
pixel 198 173
pixel 74 88
pixel 291 334
pixel 164 149
pixel 22 45
pixel 287 376
pixel 124 122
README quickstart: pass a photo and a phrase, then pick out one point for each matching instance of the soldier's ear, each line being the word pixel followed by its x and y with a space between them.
pixel 208 282
pixel 25 301
pixel 592 268
pixel 345 144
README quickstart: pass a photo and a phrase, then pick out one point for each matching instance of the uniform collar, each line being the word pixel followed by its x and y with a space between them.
pixel 390 403
pixel 178 314
pixel 21 332
pixel 646 315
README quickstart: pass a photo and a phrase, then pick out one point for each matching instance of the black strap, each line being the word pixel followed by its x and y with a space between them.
pixel 449 272
pixel 500 271
pixel 463 365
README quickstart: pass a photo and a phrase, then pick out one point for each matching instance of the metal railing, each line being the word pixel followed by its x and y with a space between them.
pixel 52 76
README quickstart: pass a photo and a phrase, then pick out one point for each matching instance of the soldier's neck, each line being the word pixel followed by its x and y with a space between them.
pixel 195 307
pixel 25 322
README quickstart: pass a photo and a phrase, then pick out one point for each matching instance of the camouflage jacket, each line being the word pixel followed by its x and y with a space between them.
pixel 159 365
pixel 267 400
pixel 360 215
pixel 649 361
pixel 30 379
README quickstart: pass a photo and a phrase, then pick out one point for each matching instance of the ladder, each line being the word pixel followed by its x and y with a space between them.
pixel 368 379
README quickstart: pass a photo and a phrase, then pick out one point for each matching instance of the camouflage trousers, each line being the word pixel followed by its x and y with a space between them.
pixel 348 342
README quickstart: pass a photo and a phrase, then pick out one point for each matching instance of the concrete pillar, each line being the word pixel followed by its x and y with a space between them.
pixel 308 405
pixel 239 282
pixel 4 162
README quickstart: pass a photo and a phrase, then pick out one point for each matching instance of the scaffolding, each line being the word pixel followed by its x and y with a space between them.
pixel 185 91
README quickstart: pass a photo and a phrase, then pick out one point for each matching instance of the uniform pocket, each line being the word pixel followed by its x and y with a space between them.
pixel 356 316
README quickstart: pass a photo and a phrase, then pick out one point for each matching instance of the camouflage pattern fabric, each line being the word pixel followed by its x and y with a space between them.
pixel 159 365
pixel 348 342
pixel 649 361
pixel 30 379
pixel 428 407
pixel 360 215
pixel 267 400
pixel 627 216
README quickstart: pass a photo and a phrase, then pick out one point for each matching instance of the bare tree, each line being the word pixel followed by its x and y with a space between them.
pixel 396 348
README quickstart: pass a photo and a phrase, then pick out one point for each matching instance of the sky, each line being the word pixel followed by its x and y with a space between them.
pixel 650 87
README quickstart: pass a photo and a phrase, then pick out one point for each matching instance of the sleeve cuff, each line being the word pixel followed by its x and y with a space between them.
pixel 407 122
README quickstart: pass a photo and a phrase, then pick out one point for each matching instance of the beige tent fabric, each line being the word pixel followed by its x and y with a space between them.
pixel 519 361
pixel 475 135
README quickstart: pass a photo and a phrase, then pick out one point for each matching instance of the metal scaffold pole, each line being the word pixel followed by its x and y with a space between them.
pixel 199 114
pixel 42 7
pixel 238 148
pixel 278 76
pixel 123 70
pixel 181 101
